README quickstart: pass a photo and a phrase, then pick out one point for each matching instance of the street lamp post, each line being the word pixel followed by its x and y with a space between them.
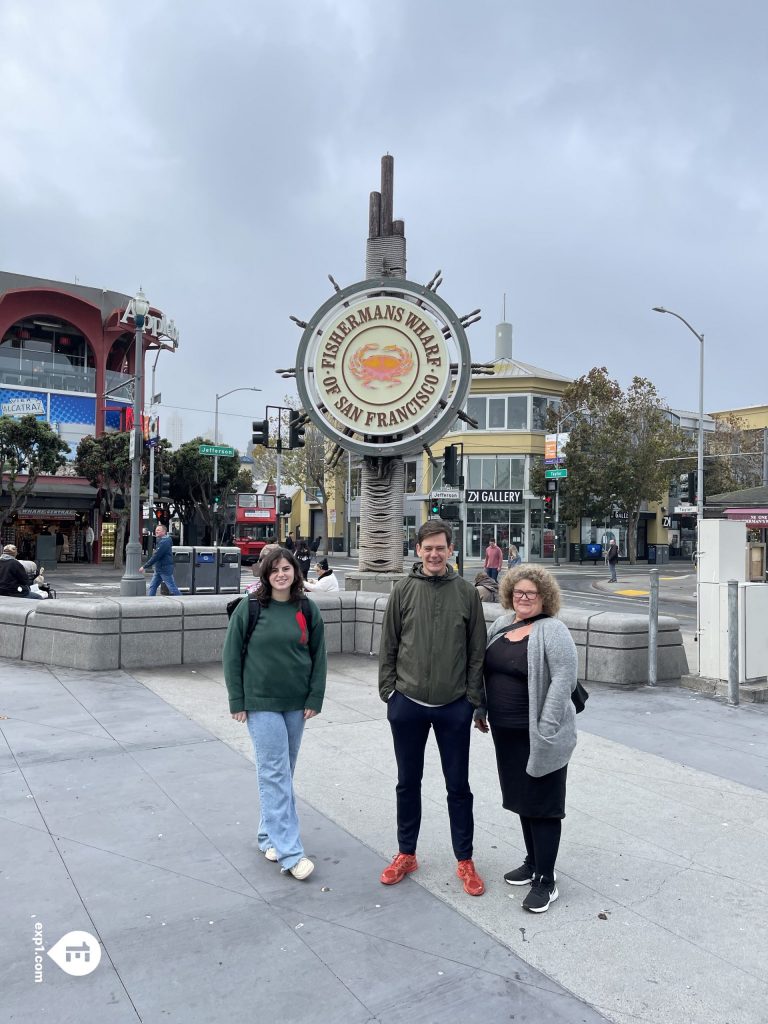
pixel 216 457
pixel 133 583
pixel 560 422
pixel 699 471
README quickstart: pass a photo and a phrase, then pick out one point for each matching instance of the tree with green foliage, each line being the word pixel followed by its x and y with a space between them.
pixel 28 448
pixel 305 467
pixel 192 488
pixel 620 450
pixel 733 456
pixel 104 462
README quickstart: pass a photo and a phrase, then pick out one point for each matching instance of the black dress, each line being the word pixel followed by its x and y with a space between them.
pixel 506 687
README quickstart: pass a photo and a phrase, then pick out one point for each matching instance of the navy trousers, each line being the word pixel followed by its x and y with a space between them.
pixel 410 723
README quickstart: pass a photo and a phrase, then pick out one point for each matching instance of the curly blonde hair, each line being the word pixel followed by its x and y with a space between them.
pixel 543 580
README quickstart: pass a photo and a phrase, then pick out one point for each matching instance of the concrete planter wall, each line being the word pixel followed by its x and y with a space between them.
pixel 136 632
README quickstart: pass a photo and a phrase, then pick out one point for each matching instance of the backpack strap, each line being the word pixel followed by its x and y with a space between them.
pixel 254 610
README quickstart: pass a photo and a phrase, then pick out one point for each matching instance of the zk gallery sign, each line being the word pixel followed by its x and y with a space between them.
pixel 493 497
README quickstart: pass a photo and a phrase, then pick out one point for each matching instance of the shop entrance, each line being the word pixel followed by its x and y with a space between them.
pixel 503 525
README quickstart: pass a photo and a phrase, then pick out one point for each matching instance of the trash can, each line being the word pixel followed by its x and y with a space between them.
pixel 662 554
pixel 204 571
pixel 182 569
pixel 229 571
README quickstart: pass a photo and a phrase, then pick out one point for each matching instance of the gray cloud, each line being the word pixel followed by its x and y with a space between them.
pixel 590 160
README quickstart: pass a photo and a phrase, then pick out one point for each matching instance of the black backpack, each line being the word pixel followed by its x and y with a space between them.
pixel 254 610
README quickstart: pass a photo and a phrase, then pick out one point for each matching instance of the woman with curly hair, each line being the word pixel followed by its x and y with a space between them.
pixel 276 687
pixel 530 672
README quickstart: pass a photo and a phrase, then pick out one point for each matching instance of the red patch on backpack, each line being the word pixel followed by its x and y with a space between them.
pixel 301 620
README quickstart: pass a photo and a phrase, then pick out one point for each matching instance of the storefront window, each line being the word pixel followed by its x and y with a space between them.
pixel 410 477
pixel 517 412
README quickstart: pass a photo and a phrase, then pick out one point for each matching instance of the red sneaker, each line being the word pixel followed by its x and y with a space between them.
pixel 473 883
pixel 402 865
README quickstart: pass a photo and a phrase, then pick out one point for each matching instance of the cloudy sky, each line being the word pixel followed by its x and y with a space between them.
pixel 590 160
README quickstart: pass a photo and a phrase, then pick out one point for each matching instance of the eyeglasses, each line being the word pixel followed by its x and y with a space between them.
pixel 525 595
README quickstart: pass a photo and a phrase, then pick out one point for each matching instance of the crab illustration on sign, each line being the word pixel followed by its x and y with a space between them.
pixel 384 364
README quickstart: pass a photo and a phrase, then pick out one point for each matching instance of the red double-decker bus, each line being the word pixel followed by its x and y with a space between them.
pixel 255 525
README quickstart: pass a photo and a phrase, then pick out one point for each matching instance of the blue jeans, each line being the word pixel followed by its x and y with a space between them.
pixel 166 577
pixel 410 724
pixel 493 573
pixel 276 737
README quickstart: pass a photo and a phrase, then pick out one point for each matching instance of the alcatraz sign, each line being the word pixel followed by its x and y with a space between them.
pixel 493 497
pixel 383 367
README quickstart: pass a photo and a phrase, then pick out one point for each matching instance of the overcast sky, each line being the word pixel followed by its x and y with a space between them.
pixel 590 160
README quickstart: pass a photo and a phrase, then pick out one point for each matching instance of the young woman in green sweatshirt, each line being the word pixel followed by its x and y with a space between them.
pixel 276 689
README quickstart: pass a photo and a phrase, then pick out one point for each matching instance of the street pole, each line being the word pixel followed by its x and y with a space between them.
pixel 151 502
pixel 699 474
pixel 216 457
pixel 349 505
pixel 653 628
pixel 133 583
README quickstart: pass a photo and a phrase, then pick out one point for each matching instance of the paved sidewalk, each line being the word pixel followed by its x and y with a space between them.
pixel 128 810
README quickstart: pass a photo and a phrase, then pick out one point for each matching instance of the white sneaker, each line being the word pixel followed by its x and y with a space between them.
pixel 303 869
pixel 271 854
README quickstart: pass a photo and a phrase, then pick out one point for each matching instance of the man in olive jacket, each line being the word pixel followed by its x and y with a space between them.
pixel 431 676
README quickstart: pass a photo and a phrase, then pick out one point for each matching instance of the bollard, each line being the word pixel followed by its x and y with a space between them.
pixel 733 642
pixel 653 628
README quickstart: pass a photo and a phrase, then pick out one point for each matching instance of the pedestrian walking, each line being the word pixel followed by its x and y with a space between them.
pixel 162 560
pixel 513 558
pixel 276 682
pixel 430 675
pixel 613 558
pixel 289 544
pixel 315 545
pixel 493 559
pixel 530 672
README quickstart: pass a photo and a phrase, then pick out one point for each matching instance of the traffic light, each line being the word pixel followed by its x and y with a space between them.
pixel 449 511
pixel 296 428
pixel 451 466
pixel 260 433
pixel 434 508
pixel 549 503
pixel 285 505
pixel 163 485
pixel 687 487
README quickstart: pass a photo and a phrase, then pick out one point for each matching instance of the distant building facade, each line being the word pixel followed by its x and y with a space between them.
pixel 67 357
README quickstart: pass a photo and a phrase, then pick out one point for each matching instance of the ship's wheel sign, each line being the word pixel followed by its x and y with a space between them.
pixel 382 368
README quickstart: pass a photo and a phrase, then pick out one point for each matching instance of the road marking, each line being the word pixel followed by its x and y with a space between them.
pixel 632 593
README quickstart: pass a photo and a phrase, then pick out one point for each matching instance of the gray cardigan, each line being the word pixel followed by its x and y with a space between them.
pixel 552 672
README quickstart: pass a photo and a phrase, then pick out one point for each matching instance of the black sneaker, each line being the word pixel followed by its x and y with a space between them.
pixel 543 892
pixel 520 876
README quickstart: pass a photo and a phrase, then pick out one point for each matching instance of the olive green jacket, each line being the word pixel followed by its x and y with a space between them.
pixel 433 640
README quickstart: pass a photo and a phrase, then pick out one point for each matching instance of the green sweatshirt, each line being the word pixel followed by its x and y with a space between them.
pixel 433 639
pixel 284 667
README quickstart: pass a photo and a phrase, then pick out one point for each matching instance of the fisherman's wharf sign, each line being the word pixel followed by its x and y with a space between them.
pixel 376 365
pixel 383 365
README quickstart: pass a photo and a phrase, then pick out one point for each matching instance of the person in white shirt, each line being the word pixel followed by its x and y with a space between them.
pixel 326 579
